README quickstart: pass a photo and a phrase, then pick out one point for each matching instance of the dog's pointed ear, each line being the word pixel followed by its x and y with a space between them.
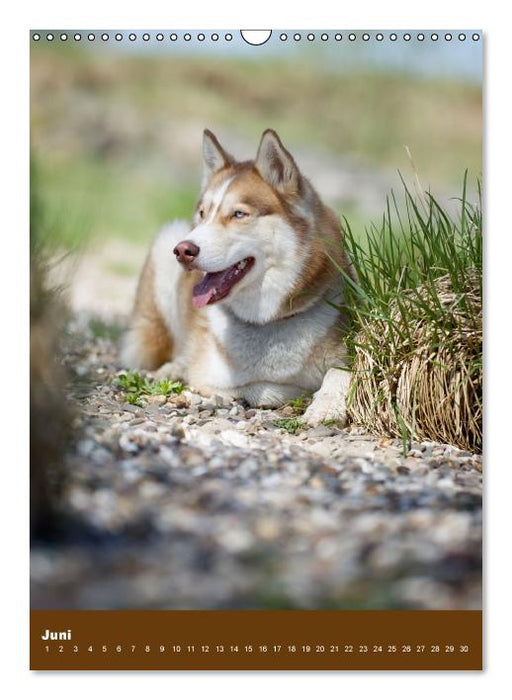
pixel 214 156
pixel 275 165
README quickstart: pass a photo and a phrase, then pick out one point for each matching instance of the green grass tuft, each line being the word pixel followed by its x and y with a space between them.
pixel 136 387
pixel 300 403
pixel 291 425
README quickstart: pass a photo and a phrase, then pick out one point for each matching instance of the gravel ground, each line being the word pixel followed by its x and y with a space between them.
pixel 191 502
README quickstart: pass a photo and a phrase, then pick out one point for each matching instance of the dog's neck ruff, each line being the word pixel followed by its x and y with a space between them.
pixel 326 300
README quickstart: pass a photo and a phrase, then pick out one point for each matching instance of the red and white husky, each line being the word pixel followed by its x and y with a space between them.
pixel 243 302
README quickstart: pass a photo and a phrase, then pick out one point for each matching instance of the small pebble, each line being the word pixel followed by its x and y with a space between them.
pixel 415 453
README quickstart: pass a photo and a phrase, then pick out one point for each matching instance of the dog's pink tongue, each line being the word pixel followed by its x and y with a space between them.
pixel 205 290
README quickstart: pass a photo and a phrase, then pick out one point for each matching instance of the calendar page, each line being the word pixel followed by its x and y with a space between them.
pixel 256 349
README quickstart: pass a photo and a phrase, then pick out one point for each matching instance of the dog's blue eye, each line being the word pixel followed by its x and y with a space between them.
pixel 239 214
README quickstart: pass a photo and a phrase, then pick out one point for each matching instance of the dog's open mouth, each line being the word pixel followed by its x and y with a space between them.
pixel 216 285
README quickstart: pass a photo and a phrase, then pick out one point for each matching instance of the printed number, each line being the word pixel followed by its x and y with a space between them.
pixel 147 648
pixel 377 648
pixel 104 648
pixel 320 649
pixel 75 649
pixel 119 648
pixel 205 648
pixel 306 648
pixel 406 648
pixel 420 648
pixel 263 648
pixel 61 648
pixel 391 648
pixel 449 649
pixel 219 648
pixel 47 648
pixel 191 648
pixel 363 648
pixel 464 648
pixel 162 648
pixel 90 648
pixel 276 648
pixel 133 648
pixel 349 648
pixel 434 649
pixel 334 649
pixel 176 648
pixel 248 648
pixel 233 648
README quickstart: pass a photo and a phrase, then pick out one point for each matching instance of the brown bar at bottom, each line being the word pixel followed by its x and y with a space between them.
pixel 255 640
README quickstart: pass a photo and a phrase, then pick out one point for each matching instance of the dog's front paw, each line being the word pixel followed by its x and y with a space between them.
pixel 329 402
pixel 326 408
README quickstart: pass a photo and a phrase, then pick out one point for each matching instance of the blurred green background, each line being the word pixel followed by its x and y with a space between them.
pixel 116 129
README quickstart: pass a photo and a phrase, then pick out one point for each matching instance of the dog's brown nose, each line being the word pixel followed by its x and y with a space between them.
pixel 186 251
